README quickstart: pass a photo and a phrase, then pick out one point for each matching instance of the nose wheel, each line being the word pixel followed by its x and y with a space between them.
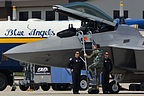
pixel 114 87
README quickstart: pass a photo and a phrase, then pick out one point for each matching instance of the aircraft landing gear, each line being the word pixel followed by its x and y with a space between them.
pixel 114 87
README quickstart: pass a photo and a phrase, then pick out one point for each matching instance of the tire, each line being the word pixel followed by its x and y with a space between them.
pixel 114 88
pixel 23 87
pixel 45 87
pixel 83 83
pixel 3 82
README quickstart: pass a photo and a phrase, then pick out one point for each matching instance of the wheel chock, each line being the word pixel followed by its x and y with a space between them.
pixel 93 91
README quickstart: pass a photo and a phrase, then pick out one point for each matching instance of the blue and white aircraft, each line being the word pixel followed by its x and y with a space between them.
pixel 14 33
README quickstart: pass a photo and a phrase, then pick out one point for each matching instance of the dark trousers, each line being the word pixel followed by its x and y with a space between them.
pixel 105 82
pixel 76 81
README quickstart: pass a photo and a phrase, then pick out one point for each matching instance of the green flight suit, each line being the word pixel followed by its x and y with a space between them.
pixel 97 63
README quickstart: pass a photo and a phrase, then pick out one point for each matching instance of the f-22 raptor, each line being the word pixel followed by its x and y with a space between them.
pixel 125 44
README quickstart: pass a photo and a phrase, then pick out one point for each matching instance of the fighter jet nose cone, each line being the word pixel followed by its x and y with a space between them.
pixel 9 52
pixel 6 53
pixel 26 52
pixel 52 51
pixel 12 53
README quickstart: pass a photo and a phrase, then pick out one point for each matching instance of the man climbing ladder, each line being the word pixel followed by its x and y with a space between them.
pixel 98 59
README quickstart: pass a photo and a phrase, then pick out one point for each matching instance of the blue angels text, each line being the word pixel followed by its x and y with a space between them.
pixel 32 32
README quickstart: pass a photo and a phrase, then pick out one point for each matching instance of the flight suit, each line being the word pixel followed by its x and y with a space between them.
pixel 76 64
pixel 98 56
pixel 107 68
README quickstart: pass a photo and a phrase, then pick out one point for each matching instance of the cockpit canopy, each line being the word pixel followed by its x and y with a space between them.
pixel 85 12
pixel 93 19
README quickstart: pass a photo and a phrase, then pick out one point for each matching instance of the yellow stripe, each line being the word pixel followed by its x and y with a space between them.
pixel 19 40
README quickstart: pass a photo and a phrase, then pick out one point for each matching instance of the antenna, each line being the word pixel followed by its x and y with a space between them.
pixel 122 21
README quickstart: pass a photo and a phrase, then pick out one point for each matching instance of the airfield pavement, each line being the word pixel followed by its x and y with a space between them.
pixel 40 92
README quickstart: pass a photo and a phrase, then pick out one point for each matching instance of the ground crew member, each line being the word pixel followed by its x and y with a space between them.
pixel 107 68
pixel 76 64
pixel 97 64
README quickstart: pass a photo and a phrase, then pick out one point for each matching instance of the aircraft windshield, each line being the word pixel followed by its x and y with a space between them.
pixel 88 9
pixel 91 16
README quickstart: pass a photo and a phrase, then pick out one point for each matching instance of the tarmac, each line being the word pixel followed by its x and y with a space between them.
pixel 40 92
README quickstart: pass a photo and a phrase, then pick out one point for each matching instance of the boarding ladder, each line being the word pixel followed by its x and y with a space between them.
pixel 86 42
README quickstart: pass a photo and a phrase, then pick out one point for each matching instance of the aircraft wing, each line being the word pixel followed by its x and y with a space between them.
pixel 127 47
pixel 85 12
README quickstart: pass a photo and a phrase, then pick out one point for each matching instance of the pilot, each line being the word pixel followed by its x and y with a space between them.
pixel 76 64
pixel 107 68
pixel 97 64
